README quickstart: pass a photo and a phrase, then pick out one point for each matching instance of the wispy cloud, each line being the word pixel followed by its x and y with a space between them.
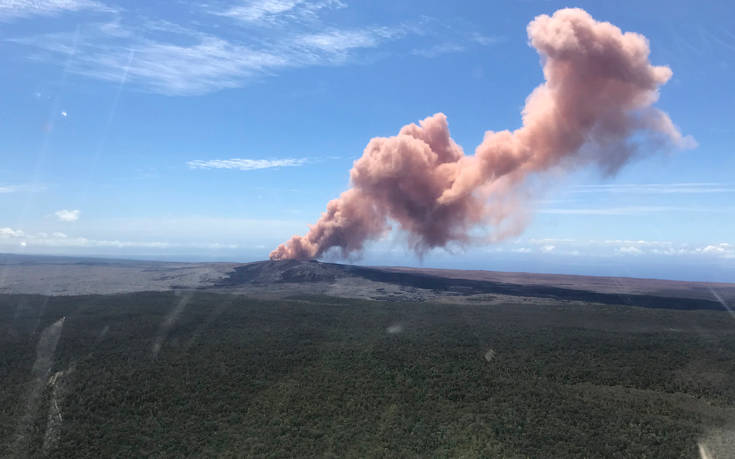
pixel 658 188
pixel 216 47
pixel 273 11
pixel 245 164
pixel 198 62
pixel 453 38
pixel 205 63
pixel 337 41
pixel 486 40
pixel 257 10
pixel 30 188
pixel 438 50
pixel 65 215
pixel 173 69
pixel 457 42
pixel 13 9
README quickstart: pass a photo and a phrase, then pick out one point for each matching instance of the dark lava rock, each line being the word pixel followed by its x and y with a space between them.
pixel 268 272
pixel 295 271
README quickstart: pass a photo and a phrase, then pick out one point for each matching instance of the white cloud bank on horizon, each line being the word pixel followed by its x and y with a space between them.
pixel 245 164
pixel 621 247
pixel 10 237
pixel 13 239
pixel 633 210
pixel 65 215
pixel 657 188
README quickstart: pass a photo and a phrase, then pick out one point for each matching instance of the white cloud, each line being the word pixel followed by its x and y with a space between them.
pixel 722 249
pixel 65 215
pixel 630 250
pixel 548 248
pixel 6 233
pixel 554 240
pixel 245 164
pixel 12 9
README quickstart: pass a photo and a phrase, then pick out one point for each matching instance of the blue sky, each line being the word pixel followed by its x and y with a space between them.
pixel 179 130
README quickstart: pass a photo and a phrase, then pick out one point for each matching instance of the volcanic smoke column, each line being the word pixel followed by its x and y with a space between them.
pixel 595 107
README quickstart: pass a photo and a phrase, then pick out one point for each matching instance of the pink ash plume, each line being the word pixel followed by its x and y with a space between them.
pixel 595 106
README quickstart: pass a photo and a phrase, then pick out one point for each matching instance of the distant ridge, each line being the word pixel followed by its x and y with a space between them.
pixel 59 275
pixel 293 271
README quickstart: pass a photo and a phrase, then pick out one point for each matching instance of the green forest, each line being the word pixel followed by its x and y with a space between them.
pixel 204 374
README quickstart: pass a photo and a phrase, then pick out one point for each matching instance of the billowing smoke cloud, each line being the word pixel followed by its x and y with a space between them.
pixel 595 107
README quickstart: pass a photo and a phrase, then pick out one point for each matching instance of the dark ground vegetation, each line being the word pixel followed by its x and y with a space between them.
pixel 329 377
